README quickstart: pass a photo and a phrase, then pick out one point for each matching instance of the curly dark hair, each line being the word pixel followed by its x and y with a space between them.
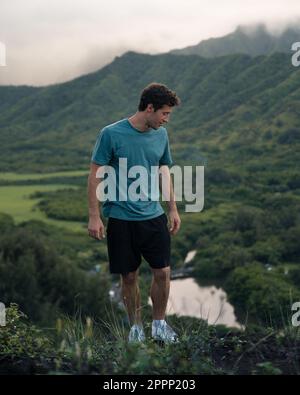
pixel 158 95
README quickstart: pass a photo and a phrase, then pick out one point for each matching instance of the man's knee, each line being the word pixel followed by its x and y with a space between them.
pixel 130 279
pixel 161 275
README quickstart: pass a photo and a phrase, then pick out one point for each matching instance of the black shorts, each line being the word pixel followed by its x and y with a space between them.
pixel 128 241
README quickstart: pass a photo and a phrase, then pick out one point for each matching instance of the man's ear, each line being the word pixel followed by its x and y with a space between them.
pixel 150 108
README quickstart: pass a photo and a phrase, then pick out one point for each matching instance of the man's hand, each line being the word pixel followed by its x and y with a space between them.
pixel 174 221
pixel 96 228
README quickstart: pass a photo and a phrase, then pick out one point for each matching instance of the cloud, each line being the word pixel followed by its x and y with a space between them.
pixel 53 41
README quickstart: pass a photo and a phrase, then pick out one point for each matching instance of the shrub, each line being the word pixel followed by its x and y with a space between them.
pixel 262 294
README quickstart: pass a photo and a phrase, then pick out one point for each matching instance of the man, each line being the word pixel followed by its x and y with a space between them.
pixel 138 228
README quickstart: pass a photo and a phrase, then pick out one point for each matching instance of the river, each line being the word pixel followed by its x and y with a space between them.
pixel 206 302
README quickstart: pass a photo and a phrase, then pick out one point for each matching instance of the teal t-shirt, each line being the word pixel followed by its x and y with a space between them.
pixel 149 149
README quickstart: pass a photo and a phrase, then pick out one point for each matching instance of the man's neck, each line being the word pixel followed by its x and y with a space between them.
pixel 139 123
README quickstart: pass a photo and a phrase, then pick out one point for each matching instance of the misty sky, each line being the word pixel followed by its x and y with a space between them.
pixel 49 41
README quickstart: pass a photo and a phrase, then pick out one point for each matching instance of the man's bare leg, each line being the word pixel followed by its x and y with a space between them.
pixel 131 297
pixel 159 292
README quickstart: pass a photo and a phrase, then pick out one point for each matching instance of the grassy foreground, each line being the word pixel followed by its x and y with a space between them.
pixel 86 346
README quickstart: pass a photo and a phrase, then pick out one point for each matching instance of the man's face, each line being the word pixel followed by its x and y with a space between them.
pixel 155 119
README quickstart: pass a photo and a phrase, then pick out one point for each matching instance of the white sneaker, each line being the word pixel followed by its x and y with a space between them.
pixel 161 331
pixel 136 334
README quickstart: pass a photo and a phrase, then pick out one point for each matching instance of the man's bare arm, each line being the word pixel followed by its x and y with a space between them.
pixel 166 187
pixel 95 226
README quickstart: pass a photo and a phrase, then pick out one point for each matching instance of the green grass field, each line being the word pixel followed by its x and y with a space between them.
pixel 15 201
pixel 37 176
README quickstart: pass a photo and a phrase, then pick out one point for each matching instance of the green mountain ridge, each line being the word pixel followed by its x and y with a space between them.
pixel 252 41
pixel 51 128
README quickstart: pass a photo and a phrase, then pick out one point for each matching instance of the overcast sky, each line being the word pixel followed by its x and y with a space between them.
pixel 49 41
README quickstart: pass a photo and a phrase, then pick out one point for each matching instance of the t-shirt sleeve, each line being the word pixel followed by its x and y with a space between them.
pixel 103 149
pixel 166 158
